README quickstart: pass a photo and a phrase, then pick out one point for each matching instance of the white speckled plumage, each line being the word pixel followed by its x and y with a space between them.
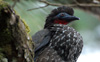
pixel 62 48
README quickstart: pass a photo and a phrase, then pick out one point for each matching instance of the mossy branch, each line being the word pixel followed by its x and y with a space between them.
pixel 15 42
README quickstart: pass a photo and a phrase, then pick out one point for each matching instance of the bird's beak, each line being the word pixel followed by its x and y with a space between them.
pixel 71 17
pixel 74 18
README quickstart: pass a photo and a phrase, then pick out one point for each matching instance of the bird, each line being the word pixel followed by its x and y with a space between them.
pixel 58 42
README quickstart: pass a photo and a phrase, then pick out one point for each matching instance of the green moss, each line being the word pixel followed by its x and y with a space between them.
pixel 5 36
pixel 26 26
pixel 5 31
pixel 7 49
pixel 1 54
pixel 3 4
pixel 5 40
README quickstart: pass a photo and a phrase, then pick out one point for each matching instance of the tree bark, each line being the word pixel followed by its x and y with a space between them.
pixel 15 42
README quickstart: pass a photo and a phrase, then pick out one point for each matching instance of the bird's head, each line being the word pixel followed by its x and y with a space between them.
pixel 64 18
pixel 61 15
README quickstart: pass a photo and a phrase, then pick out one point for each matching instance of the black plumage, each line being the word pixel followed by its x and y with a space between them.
pixel 58 42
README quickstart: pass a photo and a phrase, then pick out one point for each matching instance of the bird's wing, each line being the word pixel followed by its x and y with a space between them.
pixel 41 39
pixel 38 37
pixel 42 46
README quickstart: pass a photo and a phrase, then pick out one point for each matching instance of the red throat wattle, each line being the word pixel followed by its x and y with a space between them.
pixel 60 22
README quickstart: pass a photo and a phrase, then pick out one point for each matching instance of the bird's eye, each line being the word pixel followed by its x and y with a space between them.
pixel 62 14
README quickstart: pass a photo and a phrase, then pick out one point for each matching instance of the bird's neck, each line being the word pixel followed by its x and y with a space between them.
pixel 61 22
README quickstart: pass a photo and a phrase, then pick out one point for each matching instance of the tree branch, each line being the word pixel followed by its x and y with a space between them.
pixel 38 7
pixel 14 3
pixel 71 5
